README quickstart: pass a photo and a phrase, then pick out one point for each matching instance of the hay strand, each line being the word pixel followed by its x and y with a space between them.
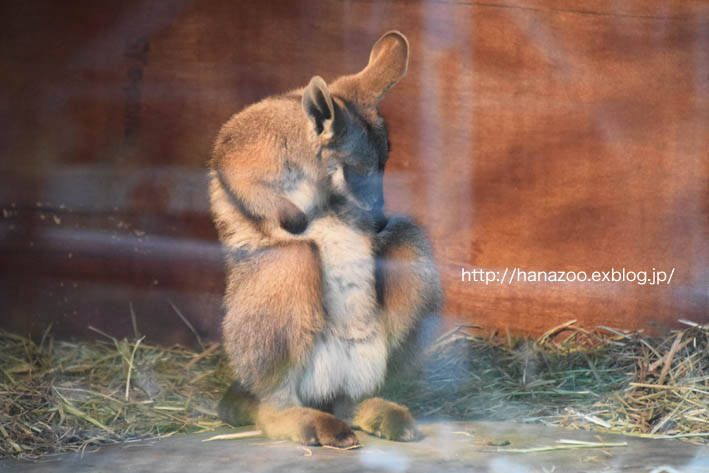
pixel 565 446
pixel 238 435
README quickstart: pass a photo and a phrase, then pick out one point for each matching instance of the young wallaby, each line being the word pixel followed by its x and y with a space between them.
pixel 324 293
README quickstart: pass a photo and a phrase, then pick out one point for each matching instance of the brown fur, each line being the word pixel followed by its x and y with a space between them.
pixel 407 282
pixel 385 419
pixel 305 425
pixel 278 166
pixel 250 153
pixel 271 322
pixel 238 406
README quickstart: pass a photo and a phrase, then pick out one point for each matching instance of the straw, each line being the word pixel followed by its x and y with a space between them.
pixel 68 396
pixel 59 395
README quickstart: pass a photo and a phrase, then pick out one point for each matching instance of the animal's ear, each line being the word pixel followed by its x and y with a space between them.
pixel 388 63
pixel 321 109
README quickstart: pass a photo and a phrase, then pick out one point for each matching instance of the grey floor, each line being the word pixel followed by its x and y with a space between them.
pixel 447 447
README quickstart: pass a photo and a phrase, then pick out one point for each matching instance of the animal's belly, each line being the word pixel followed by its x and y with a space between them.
pixel 337 366
pixel 350 356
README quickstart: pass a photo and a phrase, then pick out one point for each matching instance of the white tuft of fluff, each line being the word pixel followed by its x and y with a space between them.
pixel 350 356
pixel 338 366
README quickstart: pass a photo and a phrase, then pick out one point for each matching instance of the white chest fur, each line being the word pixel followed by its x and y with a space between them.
pixel 349 356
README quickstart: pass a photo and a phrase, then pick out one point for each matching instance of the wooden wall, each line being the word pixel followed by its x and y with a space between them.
pixel 544 135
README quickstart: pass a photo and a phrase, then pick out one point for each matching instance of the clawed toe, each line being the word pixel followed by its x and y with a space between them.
pixel 346 440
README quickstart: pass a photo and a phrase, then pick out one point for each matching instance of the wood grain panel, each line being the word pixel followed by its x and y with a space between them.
pixel 544 135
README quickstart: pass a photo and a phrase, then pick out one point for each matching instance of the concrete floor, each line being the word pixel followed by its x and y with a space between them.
pixel 448 447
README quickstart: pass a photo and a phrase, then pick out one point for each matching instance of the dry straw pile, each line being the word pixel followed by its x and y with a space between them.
pixel 58 396
pixel 605 380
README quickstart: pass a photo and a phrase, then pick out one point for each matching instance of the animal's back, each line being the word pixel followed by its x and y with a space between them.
pixel 262 156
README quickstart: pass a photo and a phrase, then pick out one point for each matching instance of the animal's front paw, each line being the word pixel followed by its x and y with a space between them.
pixel 386 419
pixel 321 428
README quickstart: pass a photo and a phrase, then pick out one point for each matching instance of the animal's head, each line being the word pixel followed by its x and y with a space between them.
pixel 347 127
pixel 271 158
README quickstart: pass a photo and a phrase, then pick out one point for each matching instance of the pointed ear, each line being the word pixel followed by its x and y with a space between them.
pixel 388 63
pixel 320 109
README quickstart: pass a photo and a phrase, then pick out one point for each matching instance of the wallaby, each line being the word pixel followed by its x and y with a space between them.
pixel 324 293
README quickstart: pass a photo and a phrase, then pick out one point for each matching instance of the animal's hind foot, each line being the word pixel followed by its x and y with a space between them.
pixel 386 419
pixel 321 428
pixel 238 406
pixel 307 426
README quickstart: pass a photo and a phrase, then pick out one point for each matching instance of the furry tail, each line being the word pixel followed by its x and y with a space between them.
pixel 238 406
